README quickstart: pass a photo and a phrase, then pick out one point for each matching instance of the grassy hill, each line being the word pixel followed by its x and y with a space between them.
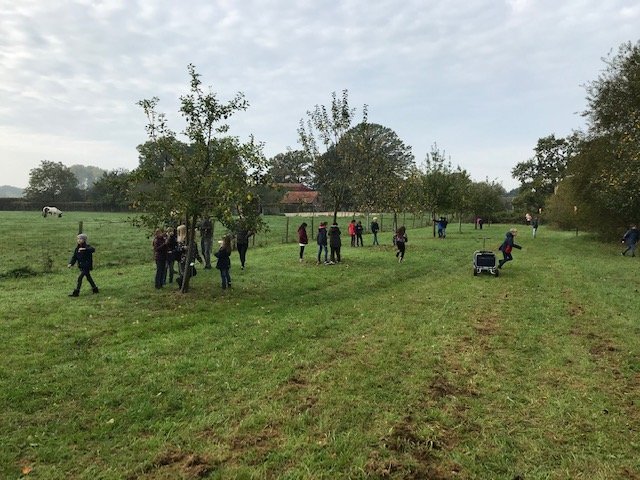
pixel 367 369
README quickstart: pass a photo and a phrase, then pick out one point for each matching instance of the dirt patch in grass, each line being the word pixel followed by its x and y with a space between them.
pixel 405 454
pixel 178 464
pixel 253 447
pixel 575 310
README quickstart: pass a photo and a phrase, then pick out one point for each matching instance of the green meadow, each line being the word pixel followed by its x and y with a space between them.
pixel 369 369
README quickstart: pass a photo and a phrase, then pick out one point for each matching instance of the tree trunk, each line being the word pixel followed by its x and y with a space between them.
pixel 433 220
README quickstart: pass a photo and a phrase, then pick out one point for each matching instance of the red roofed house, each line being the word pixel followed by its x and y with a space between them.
pixel 298 197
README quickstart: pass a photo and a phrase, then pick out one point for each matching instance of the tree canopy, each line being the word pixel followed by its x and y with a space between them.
pixel 51 182
pixel 208 173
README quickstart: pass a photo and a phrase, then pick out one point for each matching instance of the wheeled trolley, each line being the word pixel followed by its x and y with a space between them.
pixel 485 261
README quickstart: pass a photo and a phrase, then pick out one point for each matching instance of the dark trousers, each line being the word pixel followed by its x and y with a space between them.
pixel 375 238
pixel 353 240
pixel 161 272
pixel 205 248
pixel 359 242
pixel 242 251
pixel 401 249
pixel 301 251
pixel 85 273
pixel 320 249
pixel 506 257
pixel 226 278
pixel 169 266
pixel 335 254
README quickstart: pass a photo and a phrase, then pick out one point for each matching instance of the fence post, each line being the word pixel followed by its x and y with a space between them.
pixel 79 227
pixel 286 237
pixel 313 217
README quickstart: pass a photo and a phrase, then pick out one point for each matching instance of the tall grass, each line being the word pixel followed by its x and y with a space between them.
pixel 367 369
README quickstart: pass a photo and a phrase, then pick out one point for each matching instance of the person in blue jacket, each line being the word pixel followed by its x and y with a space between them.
pixel 83 254
pixel 631 238
pixel 507 246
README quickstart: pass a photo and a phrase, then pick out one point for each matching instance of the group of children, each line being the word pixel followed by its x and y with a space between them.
pixel 171 246
pixel 328 240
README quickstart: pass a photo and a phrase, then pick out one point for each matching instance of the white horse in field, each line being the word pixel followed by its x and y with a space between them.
pixel 51 211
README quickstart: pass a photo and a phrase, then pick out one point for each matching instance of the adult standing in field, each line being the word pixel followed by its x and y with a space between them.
pixel 303 239
pixel 206 240
pixel 630 238
pixel 375 228
pixel 352 232
pixel 335 244
pixel 359 230
pixel 83 254
pixel 321 240
pixel 242 242
pixel 507 246
pixel 534 226
pixel 160 255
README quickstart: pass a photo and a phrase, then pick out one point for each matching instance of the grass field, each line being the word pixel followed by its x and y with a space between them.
pixel 368 369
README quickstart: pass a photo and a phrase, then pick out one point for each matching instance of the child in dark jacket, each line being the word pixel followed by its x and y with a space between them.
pixel 322 242
pixel 400 240
pixel 83 254
pixel 359 230
pixel 224 261
pixel 303 239
pixel 335 243
pixel 507 246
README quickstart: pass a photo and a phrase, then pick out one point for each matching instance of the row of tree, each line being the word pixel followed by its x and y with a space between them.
pixel 591 178
pixel 364 167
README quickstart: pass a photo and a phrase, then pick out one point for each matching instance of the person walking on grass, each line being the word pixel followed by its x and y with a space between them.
pixel 534 226
pixel 321 239
pixel 335 243
pixel 631 238
pixel 83 254
pixel 375 228
pixel 352 232
pixel 160 255
pixel 400 240
pixel 507 246
pixel 224 261
pixel 303 240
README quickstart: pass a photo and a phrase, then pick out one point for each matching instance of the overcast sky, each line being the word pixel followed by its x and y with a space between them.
pixel 484 79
